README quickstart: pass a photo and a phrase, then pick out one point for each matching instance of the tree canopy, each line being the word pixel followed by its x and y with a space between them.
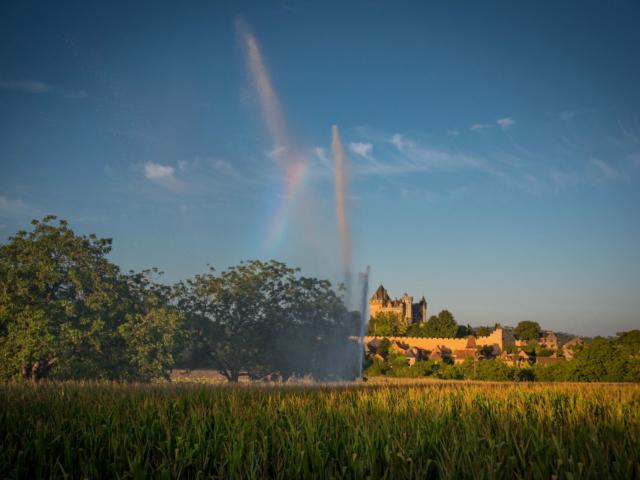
pixel 442 326
pixel 387 324
pixel 262 320
pixel 67 312
pixel 527 330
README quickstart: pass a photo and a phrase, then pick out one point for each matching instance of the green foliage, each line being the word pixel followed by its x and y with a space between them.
pixel 151 340
pixel 527 330
pixel 442 326
pixel 383 347
pixel 62 306
pixel 417 330
pixel 263 320
pixel 485 351
pixel 482 331
pixel 464 331
pixel 387 324
pixel 396 365
pixel 602 360
pixel 494 370
pixel 532 347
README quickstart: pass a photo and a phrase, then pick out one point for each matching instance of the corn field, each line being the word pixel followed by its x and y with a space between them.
pixel 404 430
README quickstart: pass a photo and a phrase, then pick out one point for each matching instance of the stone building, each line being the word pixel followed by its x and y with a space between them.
pixel 403 307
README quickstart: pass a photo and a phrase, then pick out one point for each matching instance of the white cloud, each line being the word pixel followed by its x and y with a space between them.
pixel 362 149
pixel 36 86
pixel 163 175
pixel 454 133
pixel 400 141
pixel 635 158
pixel 478 127
pixel 413 157
pixel 320 154
pixel 567 115
pixel 505 122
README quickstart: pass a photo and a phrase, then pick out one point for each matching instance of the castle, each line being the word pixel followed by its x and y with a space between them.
pixel 437 348
pixel 403 307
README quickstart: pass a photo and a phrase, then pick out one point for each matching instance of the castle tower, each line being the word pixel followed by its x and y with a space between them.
pixel 423 310
pixel 378 301
pixel 407 310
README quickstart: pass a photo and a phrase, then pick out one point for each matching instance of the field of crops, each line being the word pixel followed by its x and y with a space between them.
pixel 404 430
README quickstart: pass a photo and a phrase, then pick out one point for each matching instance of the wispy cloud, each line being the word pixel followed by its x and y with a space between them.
pixel 362 149
pixel 505 122
pixel 399 154
pixel 15 207
pixel 594 172
pixel 38 87
pixel 163 175
pixel 478 127
pixel 605 169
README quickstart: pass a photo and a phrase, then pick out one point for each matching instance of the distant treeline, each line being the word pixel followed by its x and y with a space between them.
pixel 67 312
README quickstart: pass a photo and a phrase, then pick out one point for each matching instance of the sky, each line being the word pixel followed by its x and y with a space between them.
pixel 493 148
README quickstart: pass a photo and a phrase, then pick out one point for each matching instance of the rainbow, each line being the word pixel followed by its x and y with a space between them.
pixel 296 175
pixel 295 170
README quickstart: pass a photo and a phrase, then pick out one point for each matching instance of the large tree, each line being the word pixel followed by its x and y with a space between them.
pixel 527 330
pixel 260 319
pixel 442 326
pixel 62 303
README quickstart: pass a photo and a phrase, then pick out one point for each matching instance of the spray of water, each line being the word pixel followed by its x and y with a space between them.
pixel 290 162
pixel 341 210
pixel 364 277
pixel 270 105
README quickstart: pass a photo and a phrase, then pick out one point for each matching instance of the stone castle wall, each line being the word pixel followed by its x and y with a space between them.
pixel 498 338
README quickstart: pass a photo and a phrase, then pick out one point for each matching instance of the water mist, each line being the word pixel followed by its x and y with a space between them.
pixel 341 210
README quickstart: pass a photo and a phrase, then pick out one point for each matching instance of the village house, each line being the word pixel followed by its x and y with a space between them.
pixel 568 349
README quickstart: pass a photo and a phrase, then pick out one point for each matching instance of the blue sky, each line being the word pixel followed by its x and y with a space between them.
pixel 493 148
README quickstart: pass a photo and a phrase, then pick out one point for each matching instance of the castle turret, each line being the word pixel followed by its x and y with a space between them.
pixel 407 303
pixel 380 296
pixel 423 309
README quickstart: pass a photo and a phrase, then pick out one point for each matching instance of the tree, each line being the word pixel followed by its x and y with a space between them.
pixel 486 352
pixel 151 340
pixel 527 330
pixel 387 324
pixel 260 319
pixel 532 347
pixel 59 302
pixel 62 303
pixel 482 331
pixel 418 329
pixel 442 326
